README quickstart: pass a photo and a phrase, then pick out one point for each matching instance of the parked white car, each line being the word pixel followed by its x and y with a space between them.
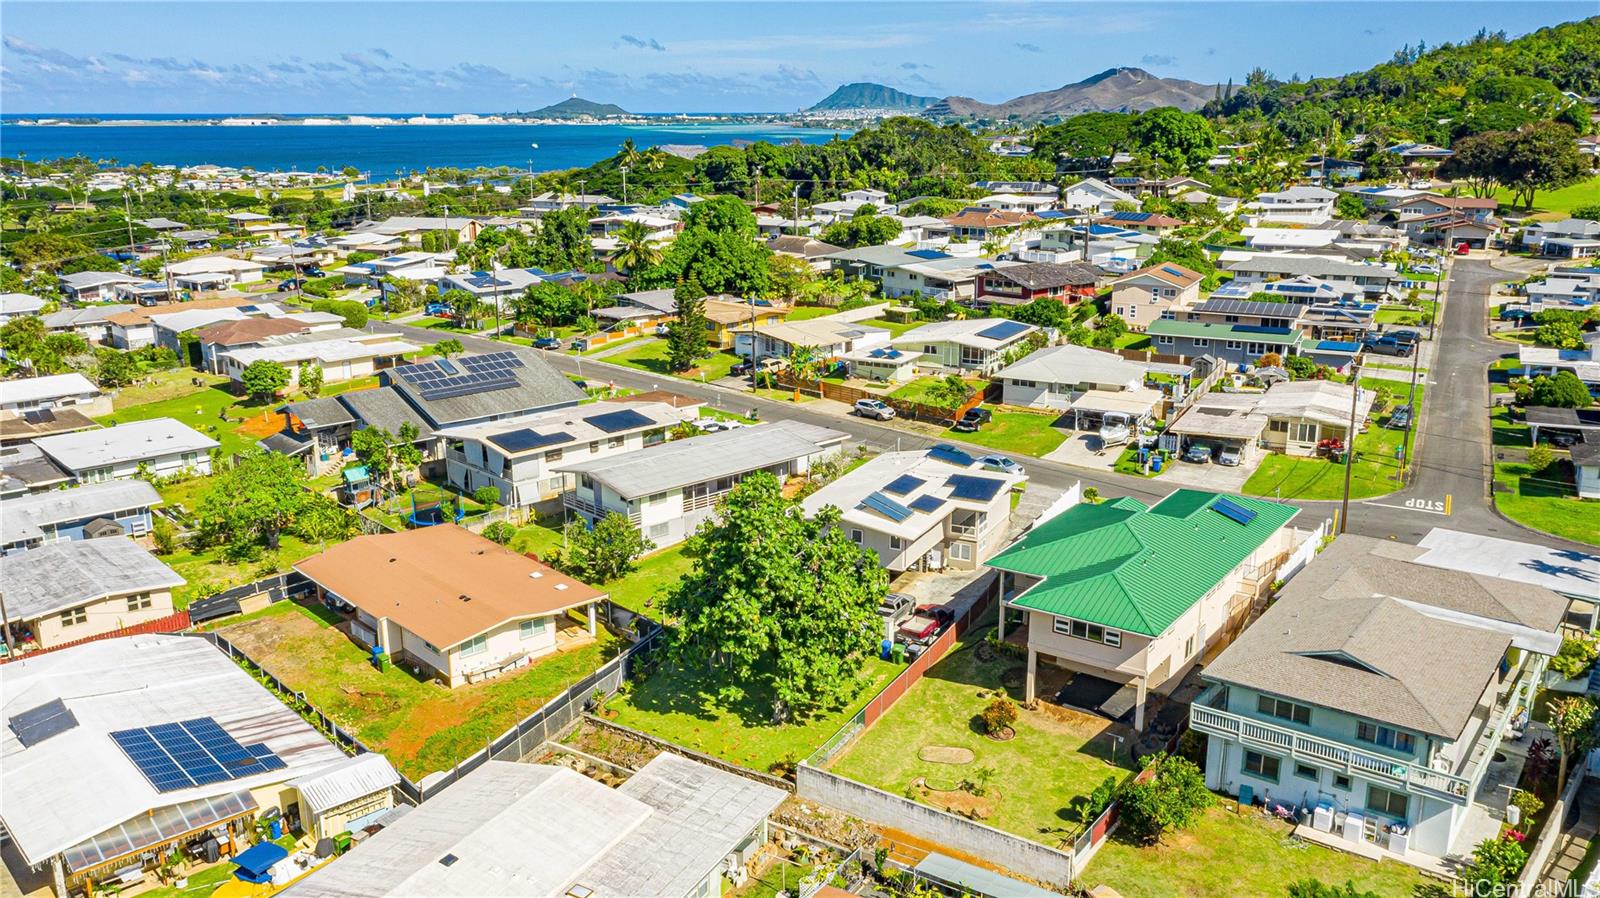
pixel 1002 464
pixel 874 408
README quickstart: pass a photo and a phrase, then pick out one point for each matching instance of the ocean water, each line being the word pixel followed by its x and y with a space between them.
pixel 379 150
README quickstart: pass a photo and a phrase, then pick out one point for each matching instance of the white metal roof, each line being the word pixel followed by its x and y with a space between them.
pixel 1069 364
pixel 68 573
pixel 346 780
pixel 131 442
pixel 681 463
pixel 78 783
pixel 962 332
pixel 848 491
pixel 326 351
pixel 54 386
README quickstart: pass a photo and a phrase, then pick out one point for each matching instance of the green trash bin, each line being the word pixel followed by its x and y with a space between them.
pixel 898 653
pixel 341 842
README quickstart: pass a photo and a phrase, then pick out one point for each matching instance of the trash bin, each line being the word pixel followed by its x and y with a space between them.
pixel 341 842
pixel 1155 464
pixel 884 650
pixel 275 828
pixel 899 653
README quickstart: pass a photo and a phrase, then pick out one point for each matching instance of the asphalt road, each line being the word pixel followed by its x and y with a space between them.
pixel 1452 445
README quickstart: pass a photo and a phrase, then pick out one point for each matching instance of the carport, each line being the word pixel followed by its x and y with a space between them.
pixel 1582 421
pixel 1224 420
pixel 1090 409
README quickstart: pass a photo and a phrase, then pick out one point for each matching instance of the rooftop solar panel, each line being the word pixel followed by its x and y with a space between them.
pixel 1232 510
pixel 973 489
pixel 903 484
pixel 40 722
pixel 928 504
pixel 1004 330
pixel 886 506
pixel 524 439
pixel 194 752
pixel 447 366
pixel 929 254
pixel 1130 216
pixel 627 419
pixel 1175 272
pixel 951 455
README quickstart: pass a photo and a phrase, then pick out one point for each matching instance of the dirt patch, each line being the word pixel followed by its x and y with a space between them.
pixel 984 652
pixel 1014 678
pixel 262 637
pixel 946 754
pixel 825 823
pixel 1052 718
pixel 958 801
pixel 260 426
pixel 611 745
pixel 1004 735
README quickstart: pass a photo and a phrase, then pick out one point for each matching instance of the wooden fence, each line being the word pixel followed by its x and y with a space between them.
pixel 172 623
pixel 915 411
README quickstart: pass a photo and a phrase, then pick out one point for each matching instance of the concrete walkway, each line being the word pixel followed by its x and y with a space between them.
pixel 1574 843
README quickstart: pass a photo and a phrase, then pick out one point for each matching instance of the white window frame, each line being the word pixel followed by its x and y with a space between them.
pixel 533 628
pixel 477 645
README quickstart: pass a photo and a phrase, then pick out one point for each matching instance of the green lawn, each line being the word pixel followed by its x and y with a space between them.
pixel 395 509
pixel 1128 463
pixel 1226 854
pixel 918 390
pixel 895 328
pixel 206 881
pixel 683 707
pixel 1132 340
pixel 208 573
pixel 1553 205
pixel 806 313
pixel 417 724
pixel 1547 501
pixel 651 356
pixel 1038 776
pixel 1416 315
pixel 203 408
pixel 1319 478
pixel 1017 431
pixel 638 590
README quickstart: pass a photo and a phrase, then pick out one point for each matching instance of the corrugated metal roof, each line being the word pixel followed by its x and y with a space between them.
pixel 698 459
pixel 1122 565
pixel 346 780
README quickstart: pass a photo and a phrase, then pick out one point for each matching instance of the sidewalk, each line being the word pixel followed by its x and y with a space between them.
pixel 1574 842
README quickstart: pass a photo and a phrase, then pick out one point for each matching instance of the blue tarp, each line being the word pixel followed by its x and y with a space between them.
pixel 255 863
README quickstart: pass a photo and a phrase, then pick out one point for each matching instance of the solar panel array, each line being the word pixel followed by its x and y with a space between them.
pixel 946 453
pixel 483 280
pixel 444 379
pixel 189 753
pixel 1130 216
pixel 903 484
pixel 1175 272
pixel 1232 510
pixel 525 439
pixel 627 419
pixel 39 723
pixel 885 353
pixel 929 254
pixel 973 489
pixel 928 504
pixel 1003 330
pixel 887 507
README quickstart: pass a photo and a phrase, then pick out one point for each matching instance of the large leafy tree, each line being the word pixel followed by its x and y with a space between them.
pixel 1175 138
pixel 1087 136
pixel 263 378
pixel 862 230
pixel 602 553
pixel 1171 797
pixel 1541 156
pixel 250 505
pixel 718 250
pixel 562 242
pixel 782 604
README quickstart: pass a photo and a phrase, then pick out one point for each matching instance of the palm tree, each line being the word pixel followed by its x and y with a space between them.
pixel 634 248
pixel 654 159
pixel 805 364
pixel 630 154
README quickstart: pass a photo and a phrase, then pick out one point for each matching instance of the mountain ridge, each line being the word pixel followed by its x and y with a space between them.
pixel 870 95
pixel 572 107
pixel 1121 89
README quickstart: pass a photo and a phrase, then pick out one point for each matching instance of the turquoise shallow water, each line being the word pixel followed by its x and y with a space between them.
pixel 379 150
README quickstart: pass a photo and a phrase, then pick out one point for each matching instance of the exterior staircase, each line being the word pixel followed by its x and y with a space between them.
pixel 1035 499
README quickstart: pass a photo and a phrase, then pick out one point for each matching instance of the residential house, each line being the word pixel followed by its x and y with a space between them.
pixel 676 828
pixel 1564 290
pixel 1143 222
pixel 242 333
pixel 448 600
pixel 550 201
pixel 976 223
pixel 475 388
pixel 1014 202
pixel 1226 205
pixel 922 511
pixel 1292 206
pixel 1378 689
pixel 1547 360
pixel 18 305
pixel 1095 195
pixel 117 507
pixel 517 455
pixel 74 589
pixel 132 327
pixel 25 427
pixel 1585 456
pixel 668 490
pixel 54 391
pixel 1145 296
pixel 1068 282
pixel 347 795
pixel 729 320
pixel 1135 594
pixel 1319 168
pixel 1571 574
pixel 1572 238
pixel 413 265
pixel 829 336
pixel 170 329
pixel 886 364
pixel 966 345
pixel 162 446
pixel 91 796
pixel 812 251
pixel 412 227
pixel 1026 188
pixel 1418 159
pixel 641 308
pixel 495 288
pixel 241 220
pixel 1428 205
pixel 1293 418
pixel 1054 376
pixel 343 354
pixel 214 272
pixel 91 322
pixel 921 272
pixel 1452 229
pixel 94 286
pixel 1382 197
pixel 26 470
pixel 1257 268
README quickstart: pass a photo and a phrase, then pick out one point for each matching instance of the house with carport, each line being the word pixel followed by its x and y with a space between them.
pixel 451 603
pixel 966 345
pixel 1133 596
pixel 830 336
pixel 1054 376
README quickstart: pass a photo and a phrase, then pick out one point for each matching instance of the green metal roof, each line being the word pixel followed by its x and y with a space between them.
pixel 1206 330
pixel 1122 565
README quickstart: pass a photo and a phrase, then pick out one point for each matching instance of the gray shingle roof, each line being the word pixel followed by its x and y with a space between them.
pixel 1041 275
pixel 697 459
pixel 65 574
pixel 384 408
pixel 320 413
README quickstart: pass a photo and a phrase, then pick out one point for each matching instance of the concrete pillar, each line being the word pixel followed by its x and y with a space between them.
pixel 1138 706
pixel 58 878
pixel 1033 667
pixel 1001 636
pixel 591 619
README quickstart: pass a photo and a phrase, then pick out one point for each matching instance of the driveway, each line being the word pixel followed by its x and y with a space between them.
pixel 1221 478
pixel 1082 450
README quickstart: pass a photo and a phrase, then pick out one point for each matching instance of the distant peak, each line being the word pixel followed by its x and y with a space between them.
pixel 1136 73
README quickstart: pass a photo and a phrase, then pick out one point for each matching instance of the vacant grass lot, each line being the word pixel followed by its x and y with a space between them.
pixel 1056 757
pixel 1319 478
pixel 1018 431
pixel 682 706
pixel 1553 205
pixel 651 355
pixel 420 725
pixel 1416 315
pixel 919 390
pixel 1226 854
pixel 895 328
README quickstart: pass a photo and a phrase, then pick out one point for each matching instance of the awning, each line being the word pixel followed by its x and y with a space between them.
pixel 284 444
pixel 1134 403
pixel 356 474
pixel 255 863
pixel 160 825
pixel 345 781
pixel 976 880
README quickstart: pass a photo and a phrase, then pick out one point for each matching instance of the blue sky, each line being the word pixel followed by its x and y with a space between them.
pixel 665 56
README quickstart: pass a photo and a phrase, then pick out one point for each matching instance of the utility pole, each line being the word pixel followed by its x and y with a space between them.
pixel 127 214
pixel 758 185
pixel 1411 422
pixel 1350 442
pixel 624 170
pixel 797 228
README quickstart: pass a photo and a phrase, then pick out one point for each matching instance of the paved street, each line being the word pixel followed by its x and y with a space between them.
pixel 1453 433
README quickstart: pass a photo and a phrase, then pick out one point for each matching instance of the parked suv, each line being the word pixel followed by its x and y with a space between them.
pixel 1198 453
pixel 972 419
pixel 874 408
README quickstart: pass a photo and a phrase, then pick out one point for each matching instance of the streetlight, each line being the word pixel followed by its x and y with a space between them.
pixel 624 169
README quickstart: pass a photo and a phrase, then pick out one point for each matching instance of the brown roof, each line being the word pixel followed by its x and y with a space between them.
pixel 1455 202
pixel 1171 272
pixel 676 400
pixel 141 314
pixel 43 423
pixel 1151 220
pixel 796 245
pixel 974 217
pixel 732 310
pixel 249 330
pixel 1038 275
pixel 443 583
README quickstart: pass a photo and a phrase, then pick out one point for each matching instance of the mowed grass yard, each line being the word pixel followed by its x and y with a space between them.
pixel 1553 205
pixel 1018 431
pixel 1280 476
pixel 1544 500
pixel 1226 854
pixel 683 706
pixel 650 355
pixel 421 726
pixel 1039 777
